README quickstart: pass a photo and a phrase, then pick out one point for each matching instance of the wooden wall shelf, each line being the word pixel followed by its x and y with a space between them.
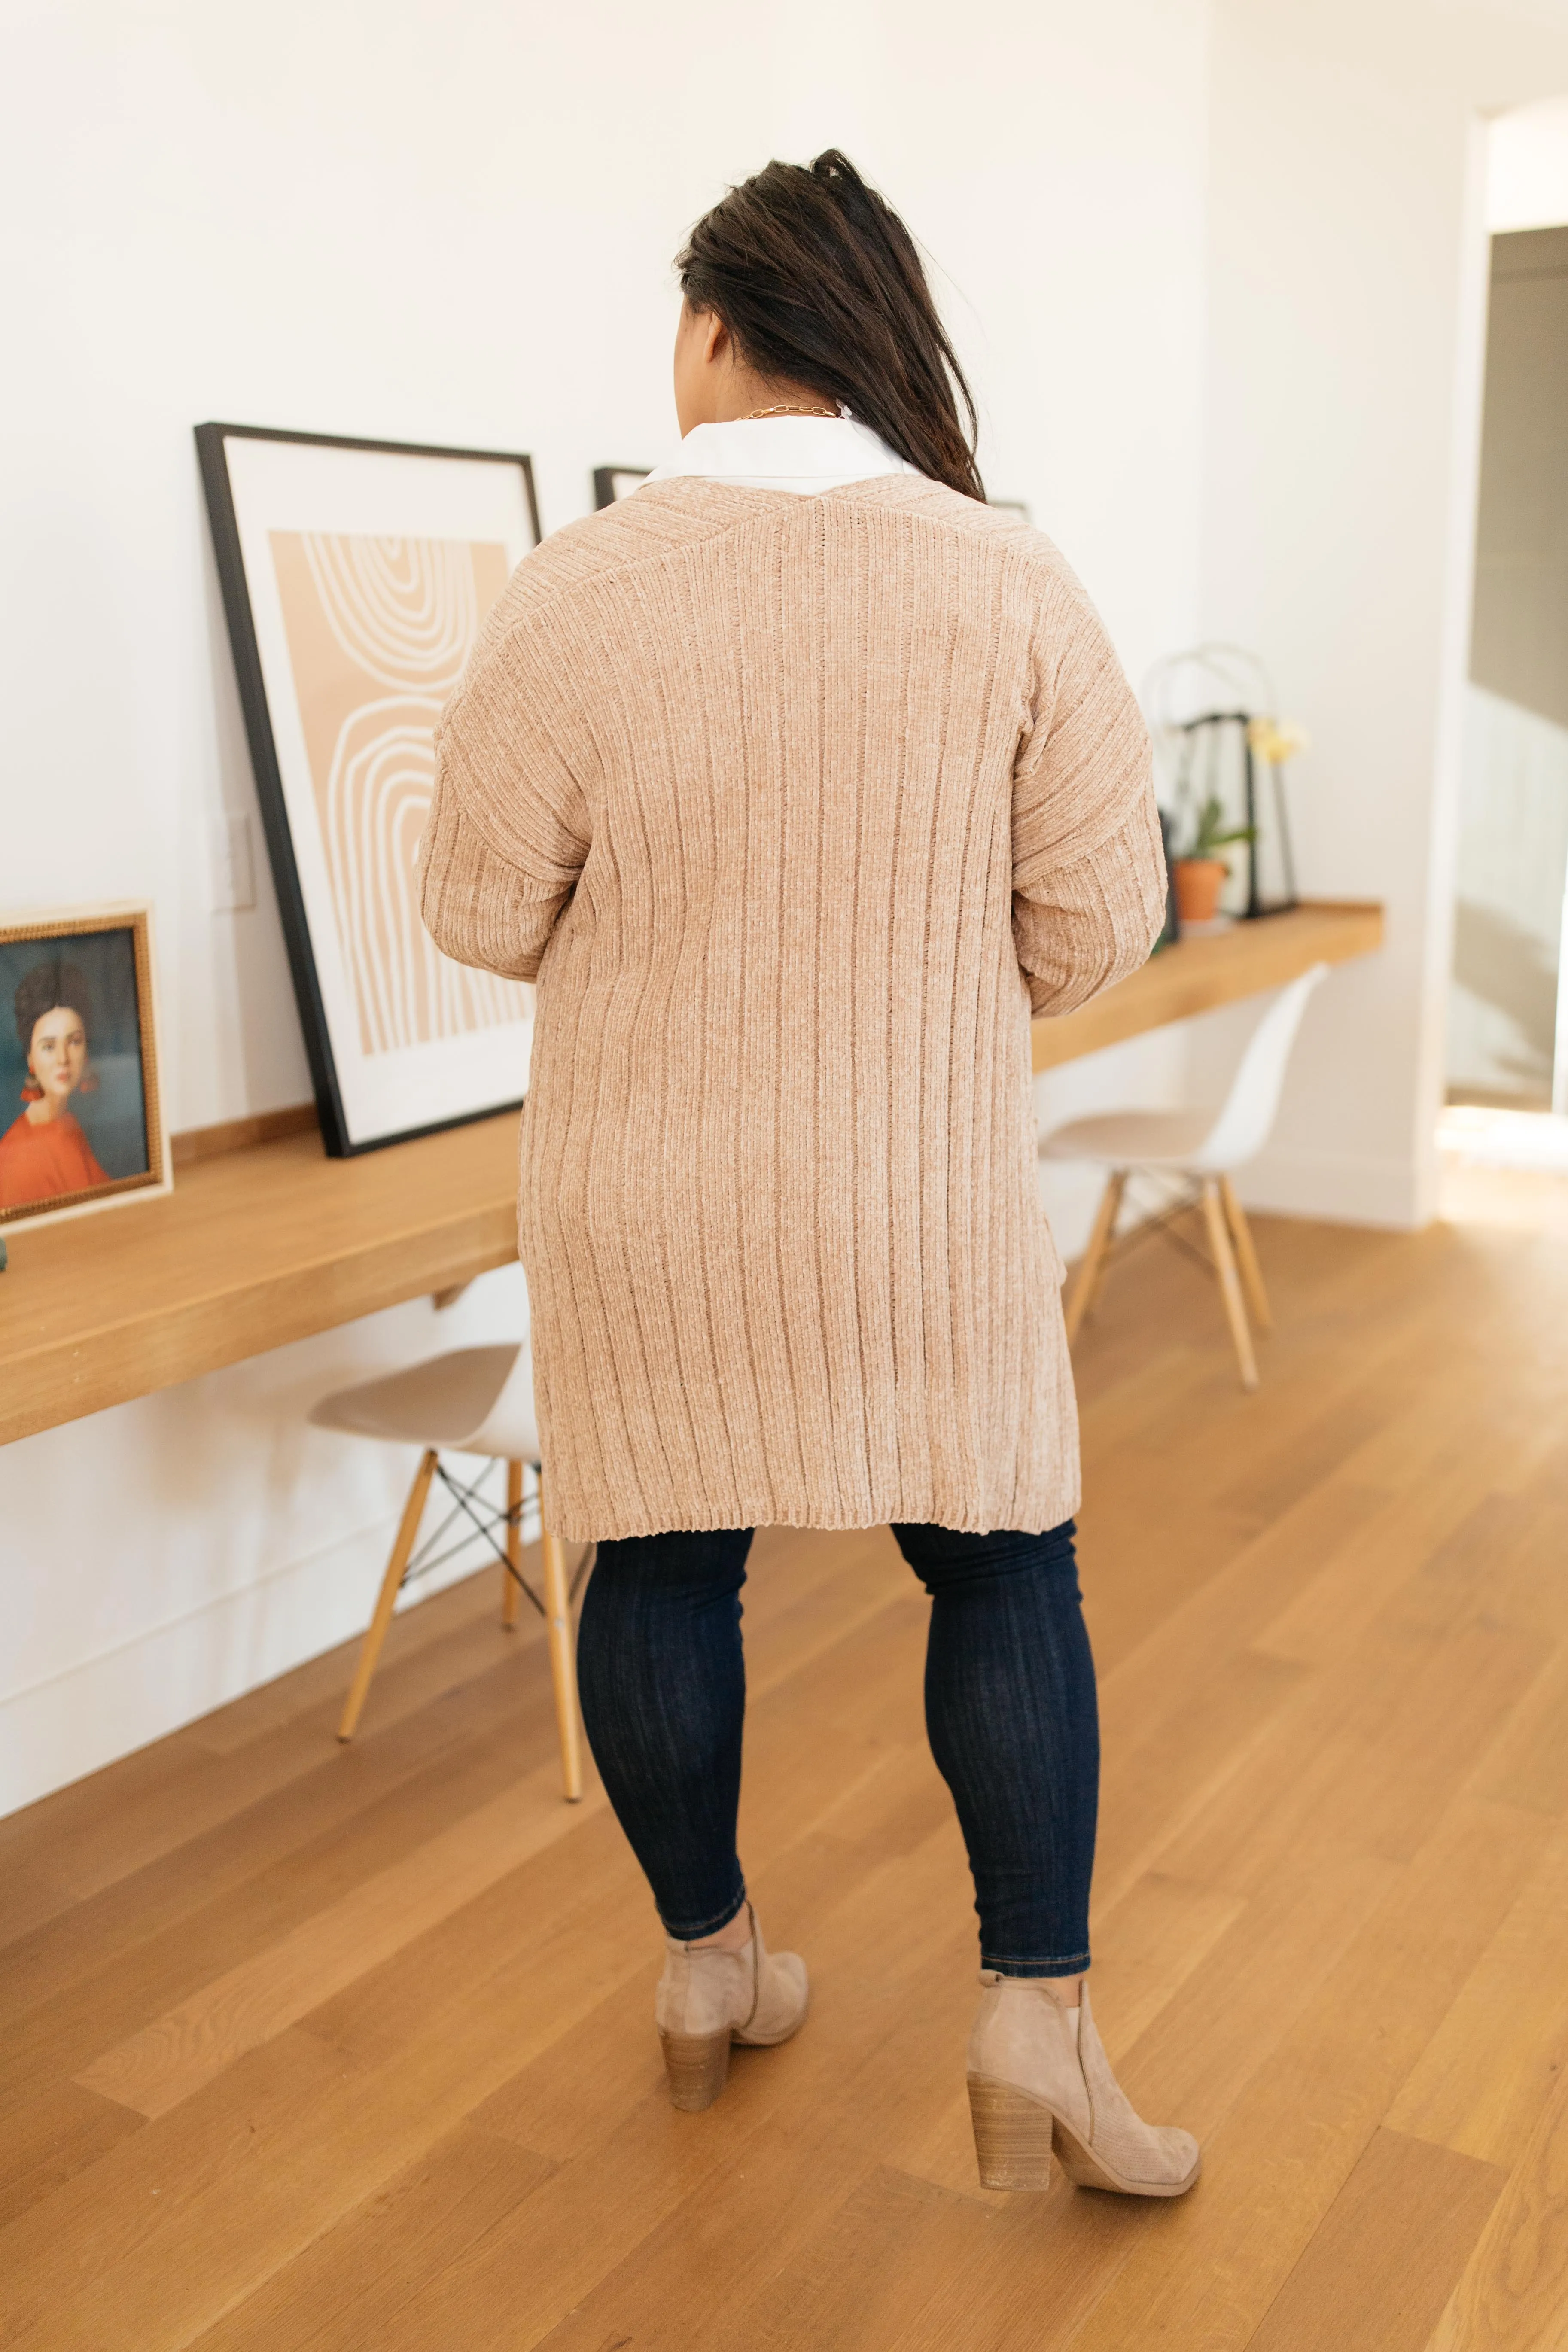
pixel 1197 975
pixel 251 1249
pixel 269 1242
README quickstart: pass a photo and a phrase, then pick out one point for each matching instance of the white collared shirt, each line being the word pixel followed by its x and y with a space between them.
pixel 804 454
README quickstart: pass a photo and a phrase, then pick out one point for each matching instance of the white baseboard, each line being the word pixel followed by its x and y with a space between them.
pixel 104 1708
pixel 1343 1188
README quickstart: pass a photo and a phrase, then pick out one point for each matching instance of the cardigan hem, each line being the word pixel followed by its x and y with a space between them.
pixel 766 1511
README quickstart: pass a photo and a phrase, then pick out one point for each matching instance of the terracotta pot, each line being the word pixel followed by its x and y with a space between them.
pixel 1199 881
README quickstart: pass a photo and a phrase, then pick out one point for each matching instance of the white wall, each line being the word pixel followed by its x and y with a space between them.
pixel 1346 314
pixel 1527 167
pixel 453 223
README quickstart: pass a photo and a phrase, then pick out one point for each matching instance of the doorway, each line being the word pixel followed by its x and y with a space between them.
pixel 1506 1065
pixel 1508 1024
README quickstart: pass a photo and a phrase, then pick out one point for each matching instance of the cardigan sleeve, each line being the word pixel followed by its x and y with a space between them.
pixel 1089 868
pixel 509 827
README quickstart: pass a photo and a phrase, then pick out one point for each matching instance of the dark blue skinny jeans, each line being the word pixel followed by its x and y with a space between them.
pixel 1010 1713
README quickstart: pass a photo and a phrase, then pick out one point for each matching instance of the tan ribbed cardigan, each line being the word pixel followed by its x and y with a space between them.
pixel 794 806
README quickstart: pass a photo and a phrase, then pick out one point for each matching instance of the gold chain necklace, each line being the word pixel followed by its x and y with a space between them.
pixel 788 408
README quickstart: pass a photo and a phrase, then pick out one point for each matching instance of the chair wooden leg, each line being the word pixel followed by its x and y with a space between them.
pixel 563 1666
pixel 1230 1288
pixel 1245 1257
pixel 508 1592
pixel 1116 1186
pixel 1087 1282
pixel 391 1583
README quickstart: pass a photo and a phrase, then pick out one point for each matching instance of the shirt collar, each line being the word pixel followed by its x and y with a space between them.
pixel 804 454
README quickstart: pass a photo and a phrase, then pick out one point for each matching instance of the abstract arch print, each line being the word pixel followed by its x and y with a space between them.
pixel 379 630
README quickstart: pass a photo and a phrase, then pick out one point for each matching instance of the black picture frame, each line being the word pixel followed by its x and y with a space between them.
pixel 607 480
pixel 1204 740
pixel 212 440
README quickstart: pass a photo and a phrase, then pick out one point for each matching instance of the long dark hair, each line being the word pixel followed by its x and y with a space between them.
pixel 818 281
pixel 46 988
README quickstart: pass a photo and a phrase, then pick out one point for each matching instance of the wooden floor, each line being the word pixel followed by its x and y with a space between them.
pixel 306 2047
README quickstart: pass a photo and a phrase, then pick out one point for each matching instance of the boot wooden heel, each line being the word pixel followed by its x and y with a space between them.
pixel 698 2065
pixel 1012 2136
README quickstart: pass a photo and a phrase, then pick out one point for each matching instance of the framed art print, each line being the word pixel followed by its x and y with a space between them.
pixel 81 1116
pixel 613 482
pixel 355 575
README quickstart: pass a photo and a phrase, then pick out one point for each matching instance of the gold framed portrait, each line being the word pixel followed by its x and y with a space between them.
pixel 81 1112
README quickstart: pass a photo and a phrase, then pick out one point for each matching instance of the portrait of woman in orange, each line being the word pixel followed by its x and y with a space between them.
pixel 44 1154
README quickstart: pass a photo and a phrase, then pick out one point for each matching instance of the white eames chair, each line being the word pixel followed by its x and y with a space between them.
pixel 1202 1149
pixel 473 1400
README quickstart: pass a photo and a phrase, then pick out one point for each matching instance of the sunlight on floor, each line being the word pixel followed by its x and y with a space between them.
pixel 1503 1168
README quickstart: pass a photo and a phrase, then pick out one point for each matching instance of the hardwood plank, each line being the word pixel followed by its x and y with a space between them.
pixel 1418 1743
pixel 346 2289
pixel 1274 1477
pixel 585 1899
pixel 1162 1932
pixel 874 1799
pixel 1360 1573
pixel 1152 1786
pixel 901 2264
pixel 1514 2295
pixel 156 2237
pixel 32 1897
pixel 49 2142
pixel 207 1797
pixel 629 2227
pixel 1494 2062
pixel 1369 1756
pixel 1219 2031
pixel 1529 1763
pixel 278 1865
pixel 154 2070
pixel 1336 1553
pixel 1294 2134
pixel 1379 2267
pixel 528 2273
pixel 249 2171
pixel 565 1898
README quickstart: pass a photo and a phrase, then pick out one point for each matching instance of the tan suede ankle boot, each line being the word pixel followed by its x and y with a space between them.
pixel 1039 2079
pixel 709 2000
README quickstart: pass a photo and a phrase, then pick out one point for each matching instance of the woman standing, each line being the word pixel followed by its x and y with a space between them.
pixel 798 781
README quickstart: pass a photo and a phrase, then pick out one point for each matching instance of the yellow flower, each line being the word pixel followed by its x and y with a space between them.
pixel 1274 743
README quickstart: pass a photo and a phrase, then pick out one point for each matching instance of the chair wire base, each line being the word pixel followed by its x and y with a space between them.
pixel 1181 1193
pixel 471 1503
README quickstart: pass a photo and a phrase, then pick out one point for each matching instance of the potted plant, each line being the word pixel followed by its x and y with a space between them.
pixel 1199 872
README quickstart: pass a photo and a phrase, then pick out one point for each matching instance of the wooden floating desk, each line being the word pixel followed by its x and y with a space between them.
pixel 269 1244
pixel 251 1249
pixel 1196 975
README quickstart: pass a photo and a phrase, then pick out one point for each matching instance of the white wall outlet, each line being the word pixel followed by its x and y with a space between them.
pixel 233 865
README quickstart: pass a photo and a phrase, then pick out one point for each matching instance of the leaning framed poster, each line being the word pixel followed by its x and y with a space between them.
pixel 613 482
pixel 355 575
pixel 82 1124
